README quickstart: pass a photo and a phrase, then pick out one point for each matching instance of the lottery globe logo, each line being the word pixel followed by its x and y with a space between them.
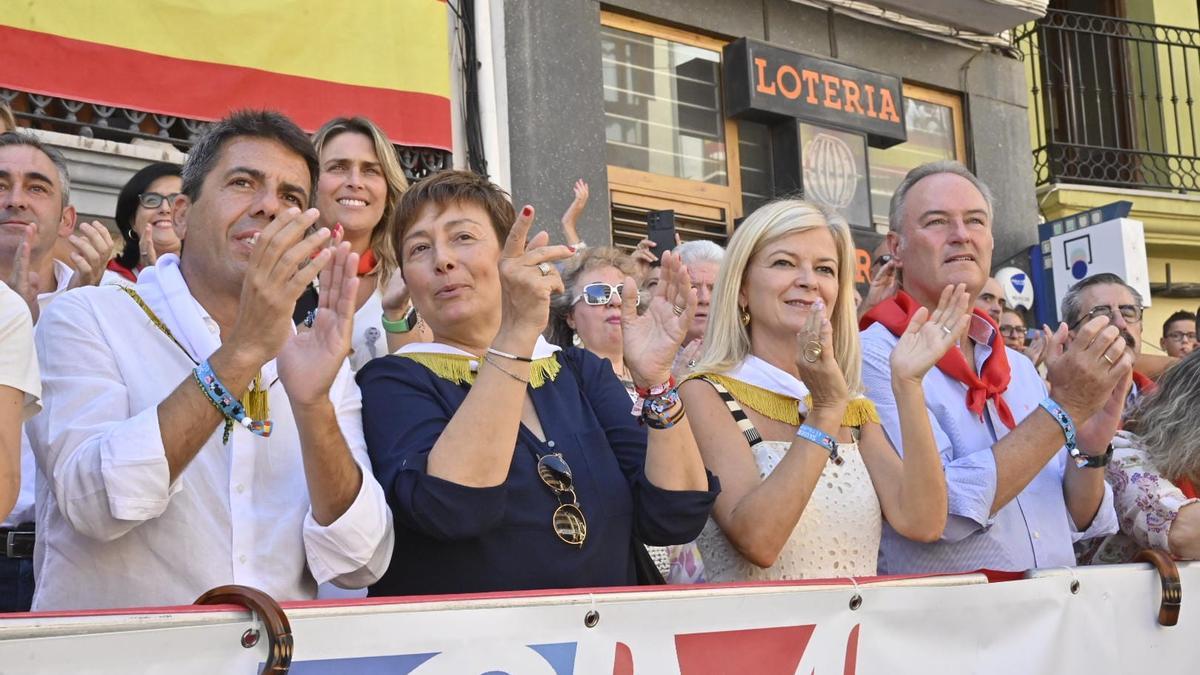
pixel 830 173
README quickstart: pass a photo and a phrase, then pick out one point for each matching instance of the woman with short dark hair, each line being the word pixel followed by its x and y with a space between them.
pixel 510 463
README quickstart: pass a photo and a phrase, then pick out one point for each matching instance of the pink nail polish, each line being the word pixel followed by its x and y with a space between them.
pixel 571 248
pixel 337 230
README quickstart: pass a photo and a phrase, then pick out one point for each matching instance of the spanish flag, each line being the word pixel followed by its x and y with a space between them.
pixel 388 60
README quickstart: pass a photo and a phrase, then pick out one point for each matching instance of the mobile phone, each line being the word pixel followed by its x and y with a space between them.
pixel 660 229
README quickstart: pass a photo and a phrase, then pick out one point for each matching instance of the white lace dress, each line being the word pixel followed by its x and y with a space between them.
pixel 837 535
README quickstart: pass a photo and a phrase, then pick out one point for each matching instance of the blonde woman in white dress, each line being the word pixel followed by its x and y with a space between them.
pixel 776 403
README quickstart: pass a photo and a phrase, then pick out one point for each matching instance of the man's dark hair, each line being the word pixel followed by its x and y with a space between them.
pixel 1181 315
pixel 1071 309
pixel 266 124
pixel 14 138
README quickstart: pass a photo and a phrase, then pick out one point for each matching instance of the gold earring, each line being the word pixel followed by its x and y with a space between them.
pixel 745 316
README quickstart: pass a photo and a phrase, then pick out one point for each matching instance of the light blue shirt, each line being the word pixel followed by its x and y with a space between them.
pixel 1034 529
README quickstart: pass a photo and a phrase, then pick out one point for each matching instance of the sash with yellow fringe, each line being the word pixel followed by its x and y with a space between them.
pixel 459 367
pixel 773 393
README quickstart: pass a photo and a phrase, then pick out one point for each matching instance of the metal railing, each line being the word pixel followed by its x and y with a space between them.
pixel 1113 101
pixel 125 125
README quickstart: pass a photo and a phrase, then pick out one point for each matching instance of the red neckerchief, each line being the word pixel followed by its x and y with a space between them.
pixel 120 269
pixel 1146 385
pixel 895 314
pixel 366 263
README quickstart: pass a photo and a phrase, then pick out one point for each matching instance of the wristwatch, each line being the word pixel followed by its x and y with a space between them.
pixel 404 325
pixel 1085 461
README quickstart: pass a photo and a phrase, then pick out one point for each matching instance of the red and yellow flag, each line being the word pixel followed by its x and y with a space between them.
pixel 388 60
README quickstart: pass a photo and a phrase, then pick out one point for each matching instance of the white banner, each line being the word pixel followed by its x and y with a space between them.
pixel 953 625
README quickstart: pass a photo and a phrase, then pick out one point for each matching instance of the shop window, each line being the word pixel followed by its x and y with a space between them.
pixel 667 142
pixel 934 120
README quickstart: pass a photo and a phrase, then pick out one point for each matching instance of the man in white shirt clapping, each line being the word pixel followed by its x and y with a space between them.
pixel 191 437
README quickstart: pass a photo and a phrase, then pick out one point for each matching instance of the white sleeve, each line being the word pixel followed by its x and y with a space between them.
pixel 105 463
pixel 355 550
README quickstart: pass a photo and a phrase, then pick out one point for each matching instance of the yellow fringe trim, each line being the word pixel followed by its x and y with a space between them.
pixel 785 408
pixel 457 369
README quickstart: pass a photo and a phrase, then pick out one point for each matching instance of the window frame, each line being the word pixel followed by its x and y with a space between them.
pixel 643 189
pixel 948 99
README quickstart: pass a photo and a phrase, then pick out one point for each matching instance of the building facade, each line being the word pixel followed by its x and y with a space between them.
pixel 635 96
pixel 1114 96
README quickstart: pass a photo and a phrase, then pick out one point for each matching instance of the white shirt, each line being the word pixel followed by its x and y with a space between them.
pixel 23 511
pixel 369 341
pixel 18 362
pixel 1034 529
pixel 112 532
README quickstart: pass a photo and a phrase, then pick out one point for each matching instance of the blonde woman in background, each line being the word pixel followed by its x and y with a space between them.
pixel 360 184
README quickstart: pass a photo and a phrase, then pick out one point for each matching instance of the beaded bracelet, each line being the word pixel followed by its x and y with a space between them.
pixel 228 405
pixel 644 393
pixel 815 435
pixel 1068 428
pixel 1081 459
pixel 663 411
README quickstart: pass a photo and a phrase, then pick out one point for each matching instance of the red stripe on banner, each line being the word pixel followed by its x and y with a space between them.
pixel 53 65
pixel 767 651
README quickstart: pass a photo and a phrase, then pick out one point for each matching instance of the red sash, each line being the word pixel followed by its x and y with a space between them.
pixel 366 263
pixel 895 315
pixel 116 267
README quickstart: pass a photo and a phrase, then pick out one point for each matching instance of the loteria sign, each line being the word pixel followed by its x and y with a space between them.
pixel 765 83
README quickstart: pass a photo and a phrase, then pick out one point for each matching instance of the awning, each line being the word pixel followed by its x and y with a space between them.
pixel 388 60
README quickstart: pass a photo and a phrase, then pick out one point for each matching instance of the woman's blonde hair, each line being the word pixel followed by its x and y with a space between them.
pixel 397 183
pixel 727 341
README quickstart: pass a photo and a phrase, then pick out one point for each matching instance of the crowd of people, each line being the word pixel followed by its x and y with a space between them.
pixel 295 371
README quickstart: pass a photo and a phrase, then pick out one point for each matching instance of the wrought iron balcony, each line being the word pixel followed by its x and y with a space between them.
pixel 1113 101
pixel 124 125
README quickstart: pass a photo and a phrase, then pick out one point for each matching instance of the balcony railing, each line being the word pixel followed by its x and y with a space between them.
pixel 124 125
pixel 1113 101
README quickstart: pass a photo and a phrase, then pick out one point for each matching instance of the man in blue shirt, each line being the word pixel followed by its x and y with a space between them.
pixel 1022 468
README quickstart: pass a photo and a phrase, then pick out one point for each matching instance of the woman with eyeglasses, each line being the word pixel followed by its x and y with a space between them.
pixel 144 217
pixel 360 184
pixel 511 463
pixel 588 313
pixel 778 409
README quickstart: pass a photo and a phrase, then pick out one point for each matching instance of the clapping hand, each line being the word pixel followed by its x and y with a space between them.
pixel 310 360
pixel 24 281
pixel 883 286
pixel 818 367
pixel 93 248
pixel 1084 370
pixel 931 334
pixel 571 216
pixel 651 339
pixel 528 280
pixel 282 264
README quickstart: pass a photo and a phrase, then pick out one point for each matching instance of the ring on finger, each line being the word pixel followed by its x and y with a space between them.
pixel 544 268
pixel 1109 359
pixel 812 351
pixel 948 331
pixel 678 310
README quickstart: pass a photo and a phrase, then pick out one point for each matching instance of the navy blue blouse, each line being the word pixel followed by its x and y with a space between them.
pixel 452 538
